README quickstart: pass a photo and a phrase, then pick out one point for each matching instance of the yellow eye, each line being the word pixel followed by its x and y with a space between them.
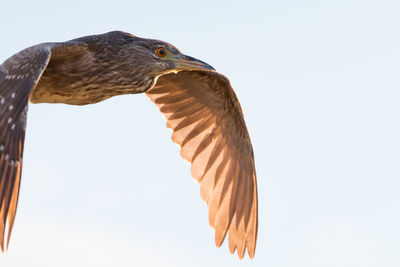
pixel 161 52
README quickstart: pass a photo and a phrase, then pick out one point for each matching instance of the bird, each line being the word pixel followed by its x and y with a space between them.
pixel 198 102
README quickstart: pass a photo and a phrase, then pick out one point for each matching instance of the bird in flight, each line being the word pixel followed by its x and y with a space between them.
pixel 199 104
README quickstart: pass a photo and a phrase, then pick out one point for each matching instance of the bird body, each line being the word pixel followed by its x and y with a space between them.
pixel 88 70
pixel 199 104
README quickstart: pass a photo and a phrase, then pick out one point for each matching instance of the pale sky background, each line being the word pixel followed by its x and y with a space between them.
pixel 103 185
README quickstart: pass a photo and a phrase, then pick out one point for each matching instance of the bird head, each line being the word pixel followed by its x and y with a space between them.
pixel 156 57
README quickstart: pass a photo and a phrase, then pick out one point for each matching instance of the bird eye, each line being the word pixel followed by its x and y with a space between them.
pixel 161 52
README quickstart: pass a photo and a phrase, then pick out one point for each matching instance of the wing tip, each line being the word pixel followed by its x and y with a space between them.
pixel 5 227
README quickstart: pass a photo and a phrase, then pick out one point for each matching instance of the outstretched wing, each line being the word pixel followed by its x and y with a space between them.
pixel 207 122
pixel 19 76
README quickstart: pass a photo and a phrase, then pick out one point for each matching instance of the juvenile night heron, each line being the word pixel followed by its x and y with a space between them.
pixel 199 104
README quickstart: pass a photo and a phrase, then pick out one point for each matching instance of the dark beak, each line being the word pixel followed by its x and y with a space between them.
pixel 183 62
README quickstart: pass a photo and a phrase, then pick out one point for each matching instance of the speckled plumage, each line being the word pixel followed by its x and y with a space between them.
pixel 200 106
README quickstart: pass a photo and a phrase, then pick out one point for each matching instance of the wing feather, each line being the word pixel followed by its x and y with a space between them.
pixel 176 106
pixel 207 122
pixel 19 76
pixel 226 209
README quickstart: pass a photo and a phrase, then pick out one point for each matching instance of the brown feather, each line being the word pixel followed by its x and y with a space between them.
pixel 207 122
pixel 18 77
pixel 205 142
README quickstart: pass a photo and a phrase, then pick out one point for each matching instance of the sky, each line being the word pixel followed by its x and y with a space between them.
pixel 103 185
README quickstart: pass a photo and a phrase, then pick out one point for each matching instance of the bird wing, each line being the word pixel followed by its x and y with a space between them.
pixel 207 122
pixel 19 76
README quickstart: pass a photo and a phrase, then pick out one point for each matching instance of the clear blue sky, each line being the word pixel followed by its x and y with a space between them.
pixel 103 185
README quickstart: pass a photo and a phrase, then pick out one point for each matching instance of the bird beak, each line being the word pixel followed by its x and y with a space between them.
pixel 183 62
